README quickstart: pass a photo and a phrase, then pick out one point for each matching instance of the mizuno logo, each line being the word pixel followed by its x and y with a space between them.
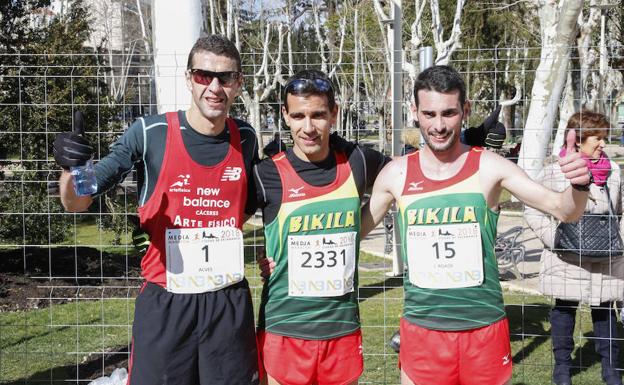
pixel 296 192
pixel 231 174
pixel 415 186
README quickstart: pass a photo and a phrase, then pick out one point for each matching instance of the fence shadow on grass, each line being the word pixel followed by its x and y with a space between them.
pixel 99 365
pixel 372 289
pixel 527 321
pixel 63 262
pixel 585 356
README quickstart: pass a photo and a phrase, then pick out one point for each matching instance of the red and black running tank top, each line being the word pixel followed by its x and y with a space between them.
pixel 190 195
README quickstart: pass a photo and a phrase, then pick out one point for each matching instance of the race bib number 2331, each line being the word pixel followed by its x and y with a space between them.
pixel 321 265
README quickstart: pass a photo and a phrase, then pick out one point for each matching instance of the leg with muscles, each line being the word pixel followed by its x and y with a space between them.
pixel 562 321
pixel 605 332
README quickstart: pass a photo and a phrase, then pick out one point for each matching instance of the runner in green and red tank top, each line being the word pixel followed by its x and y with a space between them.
pixel 309 326
pixel 456 211
pixel 315 243
pixel 454 329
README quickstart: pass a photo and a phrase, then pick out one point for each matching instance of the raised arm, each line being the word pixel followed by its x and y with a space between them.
pixel 385 191
pixel 72 202
pixel 566 206
pixel 543 225
pixel 73 150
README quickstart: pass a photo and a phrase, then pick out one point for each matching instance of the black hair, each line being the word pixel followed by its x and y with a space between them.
pixel 218 45
pixel 443 79
pixel 311 75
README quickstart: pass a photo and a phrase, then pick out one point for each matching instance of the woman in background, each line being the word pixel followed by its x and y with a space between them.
pixel 572 278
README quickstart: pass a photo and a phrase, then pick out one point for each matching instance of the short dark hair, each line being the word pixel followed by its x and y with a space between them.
pixel 218 45
pixel 311 75
pixel 443 79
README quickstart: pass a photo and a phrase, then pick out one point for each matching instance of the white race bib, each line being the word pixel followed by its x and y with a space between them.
pixel 203 259
pixel 321 265
pixel 445 256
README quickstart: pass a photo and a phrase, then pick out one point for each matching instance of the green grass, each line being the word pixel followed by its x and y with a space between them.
pixel 89 234
pixel 505 196
pixel 34 343
pixel 38 344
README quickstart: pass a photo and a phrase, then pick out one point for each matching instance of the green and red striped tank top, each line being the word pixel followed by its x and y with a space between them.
pixel 448 235
pixel 314 240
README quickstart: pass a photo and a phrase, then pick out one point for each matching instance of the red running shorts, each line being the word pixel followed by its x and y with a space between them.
pixel 296 361
pixel 477 356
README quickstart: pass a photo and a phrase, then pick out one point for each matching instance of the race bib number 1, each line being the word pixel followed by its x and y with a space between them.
pixel 203 259
pixel 321 265
pixel 446 256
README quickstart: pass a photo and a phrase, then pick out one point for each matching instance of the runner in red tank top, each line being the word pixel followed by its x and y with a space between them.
pixel 193 319
pixel 189 195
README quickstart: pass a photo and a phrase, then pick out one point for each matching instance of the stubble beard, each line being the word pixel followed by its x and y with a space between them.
pixel 209 113
pixel 451 140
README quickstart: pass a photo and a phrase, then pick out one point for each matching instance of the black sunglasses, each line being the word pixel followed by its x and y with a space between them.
pixel 303 85
pixel 205 77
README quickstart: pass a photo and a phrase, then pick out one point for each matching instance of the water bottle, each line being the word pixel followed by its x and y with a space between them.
pixel 85 182
pixel 84 179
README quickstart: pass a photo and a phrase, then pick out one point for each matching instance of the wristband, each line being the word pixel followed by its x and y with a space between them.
pixel 581 187
pixel 584 187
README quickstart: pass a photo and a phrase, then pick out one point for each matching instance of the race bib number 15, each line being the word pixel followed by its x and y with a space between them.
pixel 321 265
pixel 445 256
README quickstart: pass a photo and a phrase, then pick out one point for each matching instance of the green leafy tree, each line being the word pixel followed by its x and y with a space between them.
pixel 38 93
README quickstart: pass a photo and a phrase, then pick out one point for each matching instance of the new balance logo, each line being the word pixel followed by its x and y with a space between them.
pixel 415 186
pixel 231 174
pixel 295 192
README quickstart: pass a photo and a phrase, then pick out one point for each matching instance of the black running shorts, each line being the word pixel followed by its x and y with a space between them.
pixel 194 339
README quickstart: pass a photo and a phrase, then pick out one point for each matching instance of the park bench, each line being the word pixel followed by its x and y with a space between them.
pixel 509 252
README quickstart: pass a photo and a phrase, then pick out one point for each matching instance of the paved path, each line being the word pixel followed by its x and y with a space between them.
pixel 529 269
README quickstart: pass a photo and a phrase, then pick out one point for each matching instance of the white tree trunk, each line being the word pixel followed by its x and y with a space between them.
pixel 415 41
pixel 587 55
pixel 558 22
pixel 144 34
pixel 173 39
pixel 566 109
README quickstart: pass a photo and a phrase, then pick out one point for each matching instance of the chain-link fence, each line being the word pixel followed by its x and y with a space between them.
pixel 68 280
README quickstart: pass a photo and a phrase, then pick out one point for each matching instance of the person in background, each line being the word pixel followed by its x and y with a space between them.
pixel 275 146
pixel 571 278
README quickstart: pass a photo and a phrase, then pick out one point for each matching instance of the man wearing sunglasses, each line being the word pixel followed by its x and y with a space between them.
pixel 309 328
pixel 193 319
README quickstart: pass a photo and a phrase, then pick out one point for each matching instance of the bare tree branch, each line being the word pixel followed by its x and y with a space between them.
pixel 445 48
